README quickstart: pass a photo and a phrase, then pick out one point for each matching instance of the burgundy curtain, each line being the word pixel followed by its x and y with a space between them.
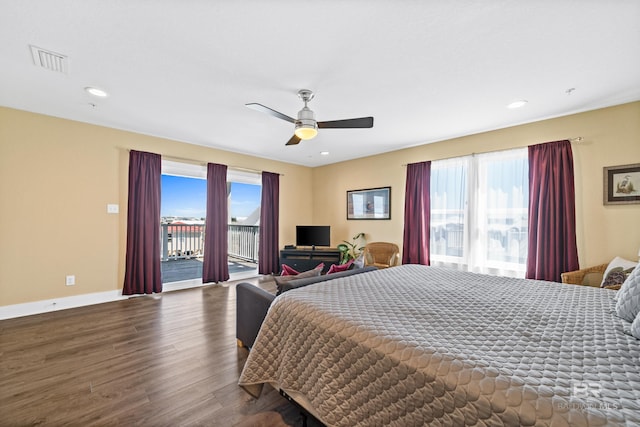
pixel 552 219
pixel 215 267
pixel 417 214
pixel 268 255
pixel 142 265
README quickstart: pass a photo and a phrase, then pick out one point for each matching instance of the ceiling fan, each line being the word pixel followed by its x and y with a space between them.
pixel 306 126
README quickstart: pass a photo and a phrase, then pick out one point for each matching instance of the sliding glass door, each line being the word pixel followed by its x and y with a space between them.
pixel 183 213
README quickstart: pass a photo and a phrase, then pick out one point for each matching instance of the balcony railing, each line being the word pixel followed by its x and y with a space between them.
pixel 503 243
pixel 184 241
pixel 243 241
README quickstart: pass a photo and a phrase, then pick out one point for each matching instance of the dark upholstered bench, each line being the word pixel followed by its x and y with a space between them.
pixel 252 303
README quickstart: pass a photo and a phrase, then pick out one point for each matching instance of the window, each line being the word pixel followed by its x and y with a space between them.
pixel 448 209
pixel 184 187
pixel 479 212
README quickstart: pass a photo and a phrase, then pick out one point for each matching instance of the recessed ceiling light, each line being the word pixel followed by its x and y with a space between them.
pixel 96 92
pixel 518 104
pixel 324 153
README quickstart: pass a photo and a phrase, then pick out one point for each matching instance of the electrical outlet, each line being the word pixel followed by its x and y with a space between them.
pixel 113 209
pixel 71 280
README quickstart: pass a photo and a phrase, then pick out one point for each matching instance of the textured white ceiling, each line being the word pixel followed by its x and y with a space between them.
pixel 425 70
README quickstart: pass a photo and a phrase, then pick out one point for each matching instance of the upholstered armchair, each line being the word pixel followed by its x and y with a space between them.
pixel 381 254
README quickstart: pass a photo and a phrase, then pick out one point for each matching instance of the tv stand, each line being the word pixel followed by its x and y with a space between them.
pixel 306 259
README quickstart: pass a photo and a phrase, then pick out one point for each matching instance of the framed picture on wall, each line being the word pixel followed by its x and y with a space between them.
pixel 622 184
pixel 372 203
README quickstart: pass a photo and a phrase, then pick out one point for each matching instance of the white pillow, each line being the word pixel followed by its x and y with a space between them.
pixel 635 327
pixel 617 262
pixel 628 305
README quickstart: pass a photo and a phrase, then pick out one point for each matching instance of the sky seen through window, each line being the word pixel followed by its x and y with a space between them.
pixel 187 197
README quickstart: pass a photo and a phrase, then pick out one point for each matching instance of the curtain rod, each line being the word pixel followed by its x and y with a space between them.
pixel 201 163
pixel 577 140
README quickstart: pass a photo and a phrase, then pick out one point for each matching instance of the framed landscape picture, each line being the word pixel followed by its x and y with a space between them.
pixel 622 184
pixel 372 203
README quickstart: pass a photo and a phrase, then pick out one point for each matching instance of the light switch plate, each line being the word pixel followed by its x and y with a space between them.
pixel 113 209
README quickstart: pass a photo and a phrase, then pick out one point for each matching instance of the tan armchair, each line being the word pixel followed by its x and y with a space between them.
pixel 381 254
pixel 591 276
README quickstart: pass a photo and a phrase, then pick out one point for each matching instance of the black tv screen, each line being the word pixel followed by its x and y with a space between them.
pixel 313 235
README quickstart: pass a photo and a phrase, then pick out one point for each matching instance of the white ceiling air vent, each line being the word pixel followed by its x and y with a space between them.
pixel 49 60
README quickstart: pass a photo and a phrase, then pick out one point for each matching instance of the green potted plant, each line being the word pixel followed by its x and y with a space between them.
pixel 353 249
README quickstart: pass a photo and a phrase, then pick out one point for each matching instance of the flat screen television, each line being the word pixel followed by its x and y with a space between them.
pixel 313 235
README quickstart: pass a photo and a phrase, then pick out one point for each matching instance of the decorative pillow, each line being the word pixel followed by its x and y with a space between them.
pixel 628 305
pixel 616 276
pixel 288 271
pixel 635 327
pixel 343 267
pixel 281 280
pixel 614 264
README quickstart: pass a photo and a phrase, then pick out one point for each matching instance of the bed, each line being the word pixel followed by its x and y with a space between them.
pixel 415 345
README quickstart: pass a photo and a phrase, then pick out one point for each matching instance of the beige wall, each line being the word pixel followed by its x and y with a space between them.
pixel 57 176
pixel 56 179
pixel 611 137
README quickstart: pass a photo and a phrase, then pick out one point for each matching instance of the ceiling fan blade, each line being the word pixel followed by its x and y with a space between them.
pixel 293 141
pixel 362 122
pixel 271 112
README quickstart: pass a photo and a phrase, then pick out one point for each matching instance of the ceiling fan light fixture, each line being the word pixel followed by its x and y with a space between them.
pixel 306 125
pixel 306 130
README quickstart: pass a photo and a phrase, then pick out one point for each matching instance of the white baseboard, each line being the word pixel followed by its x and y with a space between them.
pixel 45 306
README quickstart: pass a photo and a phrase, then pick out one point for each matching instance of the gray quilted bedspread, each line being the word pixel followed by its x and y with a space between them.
pixel 415 345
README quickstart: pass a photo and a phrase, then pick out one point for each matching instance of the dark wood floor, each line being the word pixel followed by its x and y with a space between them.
pixel 168 360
